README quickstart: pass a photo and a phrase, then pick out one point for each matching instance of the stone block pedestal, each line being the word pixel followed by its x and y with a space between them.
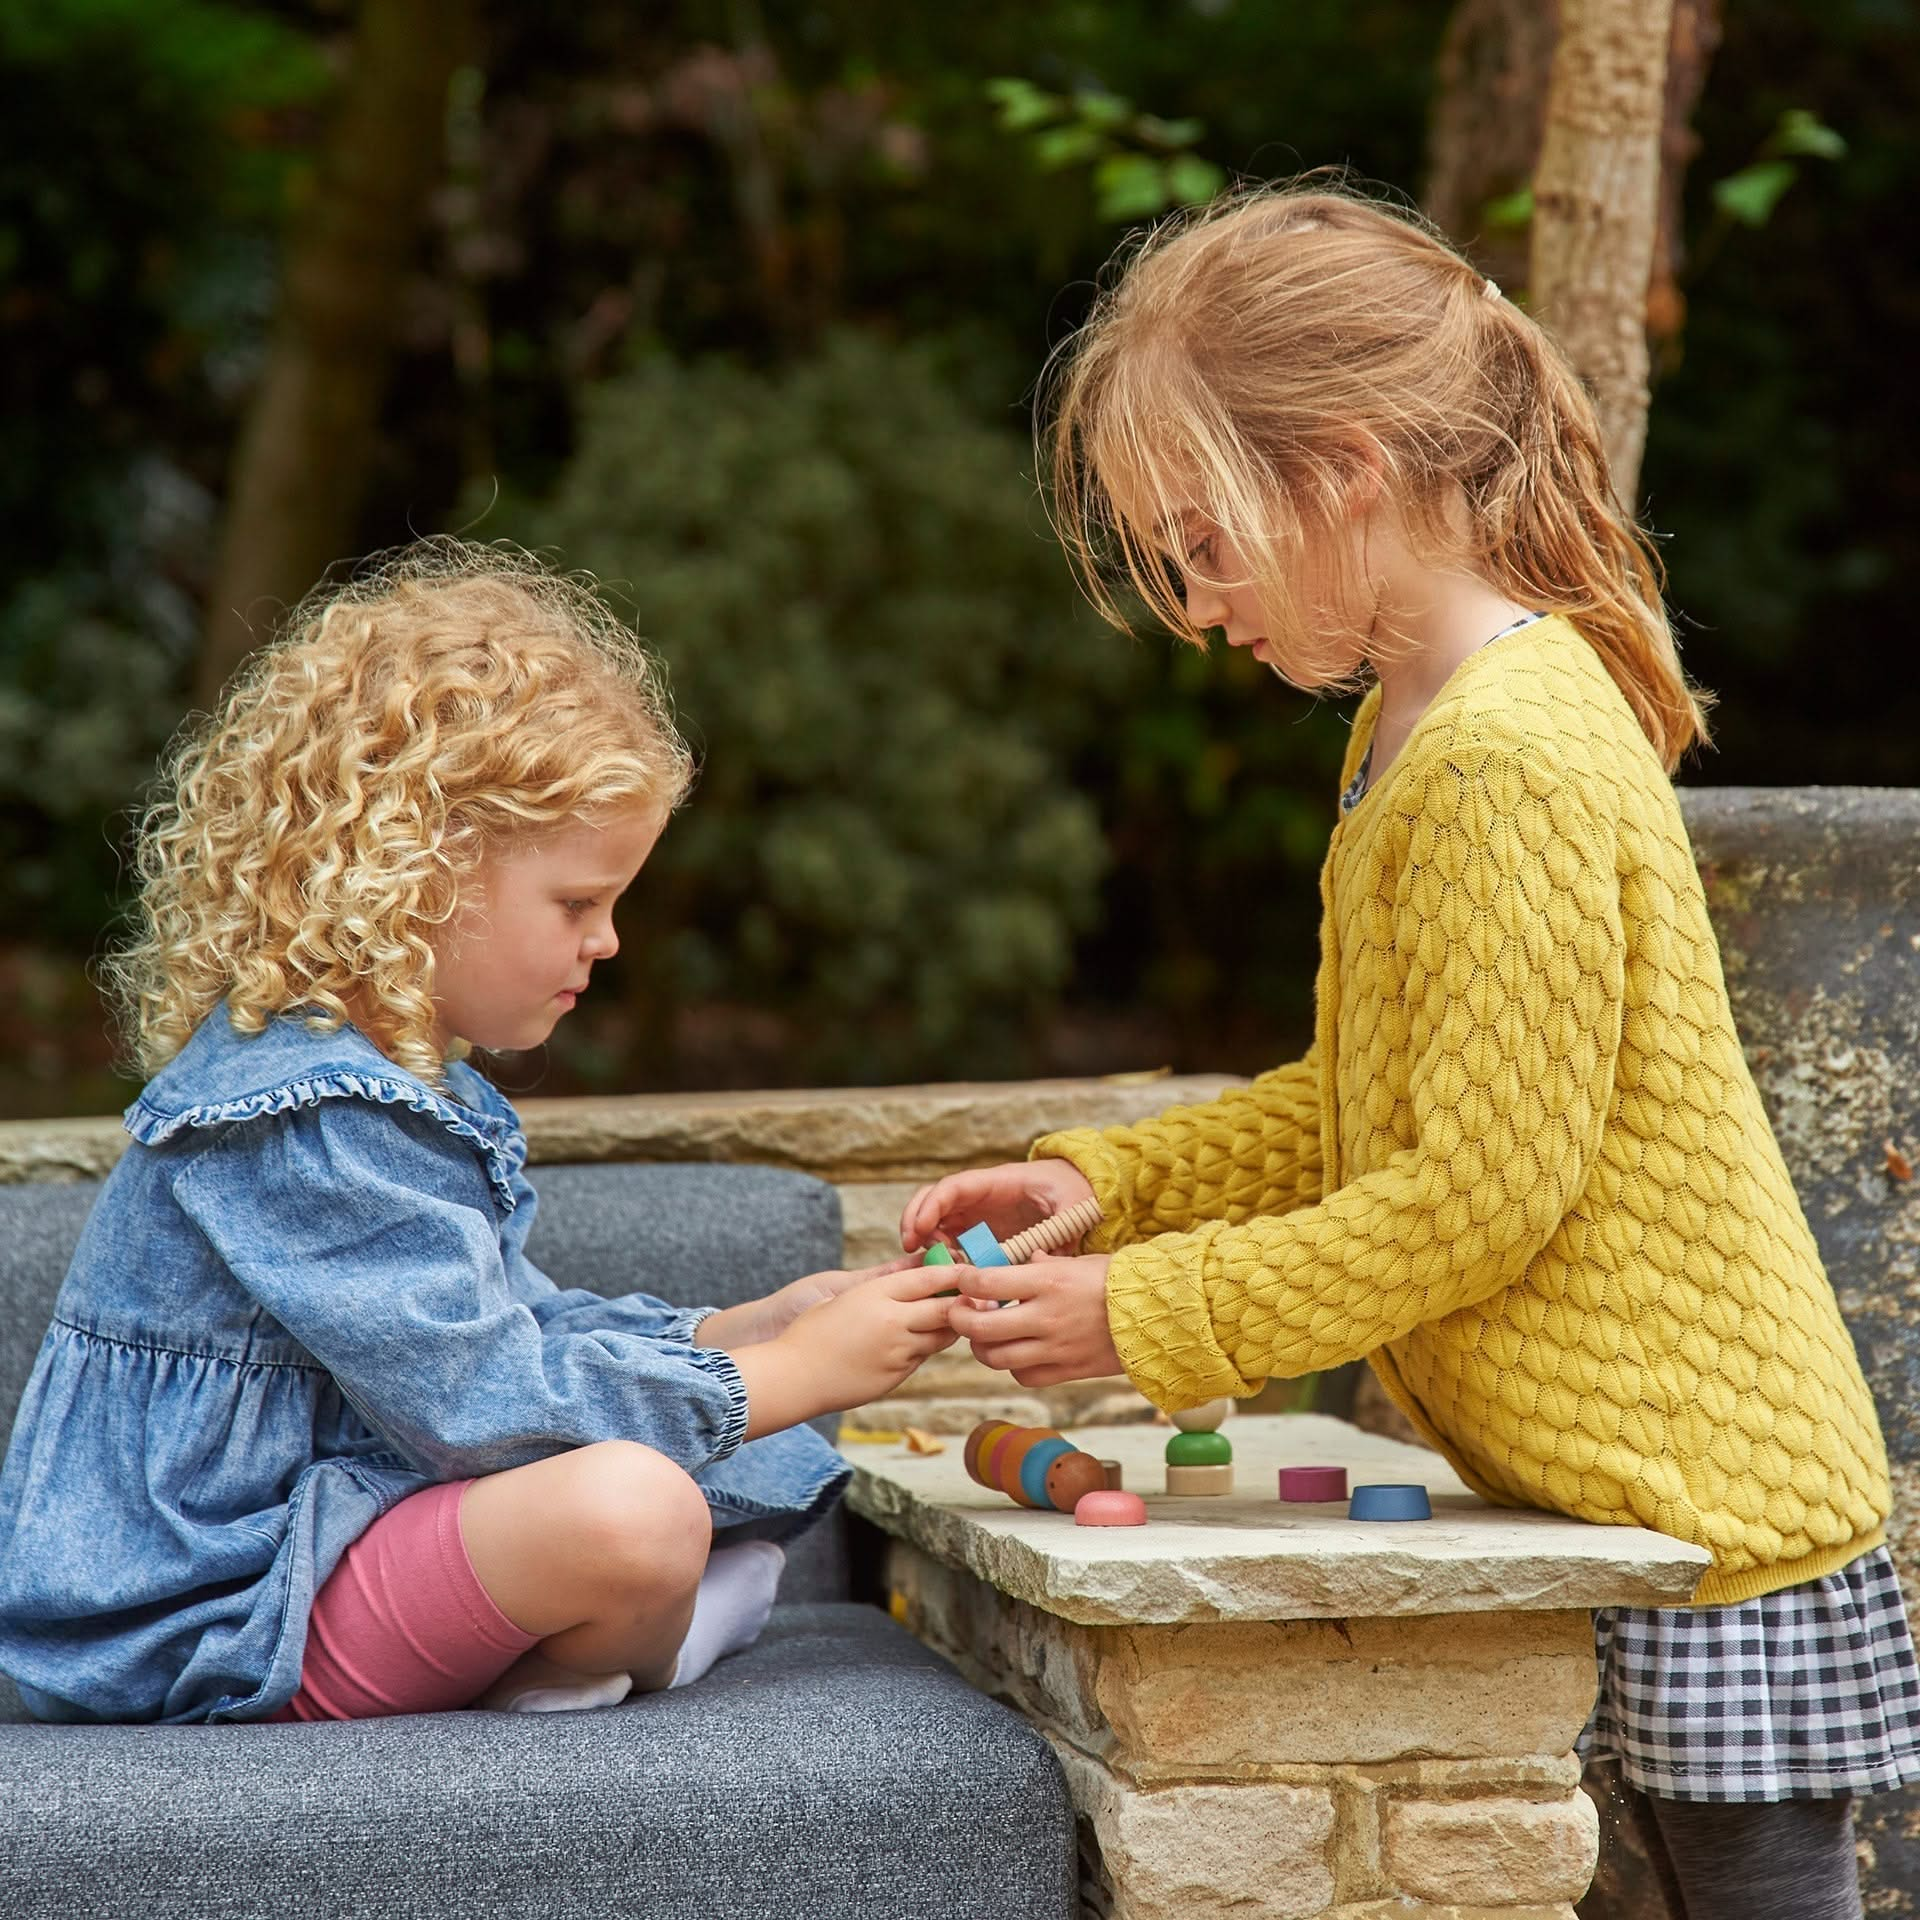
pixel 1267 1710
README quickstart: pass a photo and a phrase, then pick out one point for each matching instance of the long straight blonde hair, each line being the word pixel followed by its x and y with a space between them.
pixel 1272 361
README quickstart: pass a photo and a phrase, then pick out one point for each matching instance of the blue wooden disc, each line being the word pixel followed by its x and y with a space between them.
pixel 1386 1501
pixel 979 1245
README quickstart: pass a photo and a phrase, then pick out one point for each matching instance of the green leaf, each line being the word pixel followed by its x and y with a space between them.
pixel 1751 195
pixel 1066 146
pixel 1168 133
pixel 1022 105
pixel 1106 111
pixel 1509 210
pixel 1129 186
pixel 1799 131
pixel 1191 181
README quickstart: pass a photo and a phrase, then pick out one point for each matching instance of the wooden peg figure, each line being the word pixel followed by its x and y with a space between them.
pixel 1033 1466
pixel 1199 1456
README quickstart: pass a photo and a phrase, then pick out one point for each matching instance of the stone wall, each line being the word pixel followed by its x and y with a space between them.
pixel 1418 1768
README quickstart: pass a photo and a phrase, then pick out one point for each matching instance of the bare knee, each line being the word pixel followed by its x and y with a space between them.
pixel 637 1515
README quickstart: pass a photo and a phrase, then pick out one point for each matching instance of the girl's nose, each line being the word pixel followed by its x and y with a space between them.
pixel 1206 606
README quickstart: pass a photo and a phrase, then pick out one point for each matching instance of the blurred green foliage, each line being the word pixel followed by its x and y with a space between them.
pixel 740 306
pixel 870 646
pixel 1142 165
pixel 149 146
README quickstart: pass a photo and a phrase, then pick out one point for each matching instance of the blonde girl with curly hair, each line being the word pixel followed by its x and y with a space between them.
pixel 310 1436
pixel 1524 1169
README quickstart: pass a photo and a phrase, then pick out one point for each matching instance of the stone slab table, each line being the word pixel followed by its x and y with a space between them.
pixel 1269 1710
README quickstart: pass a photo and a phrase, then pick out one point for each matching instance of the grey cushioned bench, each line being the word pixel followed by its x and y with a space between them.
pixel 838 1771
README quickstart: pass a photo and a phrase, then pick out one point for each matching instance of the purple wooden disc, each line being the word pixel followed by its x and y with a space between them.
pixel 1313 1483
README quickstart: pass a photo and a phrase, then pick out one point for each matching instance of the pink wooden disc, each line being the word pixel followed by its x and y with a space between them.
pixel 1109 1507
pixel 1313 1483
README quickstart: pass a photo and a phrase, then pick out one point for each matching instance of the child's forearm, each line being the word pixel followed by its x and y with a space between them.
pixel 780 1393
pixel 731 1327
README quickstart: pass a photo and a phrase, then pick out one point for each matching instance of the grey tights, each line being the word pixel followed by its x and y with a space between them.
pixel 1756 1860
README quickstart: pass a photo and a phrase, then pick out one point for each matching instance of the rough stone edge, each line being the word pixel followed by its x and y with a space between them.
pixel 1384 1585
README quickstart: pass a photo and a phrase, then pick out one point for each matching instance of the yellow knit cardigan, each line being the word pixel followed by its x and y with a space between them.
pixel 1524 1169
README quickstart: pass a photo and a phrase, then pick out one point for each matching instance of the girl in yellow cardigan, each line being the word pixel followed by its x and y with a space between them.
pixel 1523 1169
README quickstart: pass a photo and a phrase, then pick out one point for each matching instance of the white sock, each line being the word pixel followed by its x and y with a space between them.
pixel 735 1597
pixel 599 1690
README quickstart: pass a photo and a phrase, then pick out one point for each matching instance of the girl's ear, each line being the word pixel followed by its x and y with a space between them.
pixel 1363 478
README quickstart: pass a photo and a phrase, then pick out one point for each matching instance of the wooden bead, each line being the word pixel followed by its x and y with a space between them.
pixel 1188 1483
pixel 1199 1450
pixel 1030 1488
pixel 1005 1461
pixel 990 1453
pixel 1115 1478
pixel 1071 1478
pixel 1203 1418
pixel 976 1443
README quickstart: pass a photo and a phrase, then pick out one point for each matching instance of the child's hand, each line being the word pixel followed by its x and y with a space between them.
pixel 1055 1327
pixel 771 1315
pixel 1009 1199
pixel 848 1350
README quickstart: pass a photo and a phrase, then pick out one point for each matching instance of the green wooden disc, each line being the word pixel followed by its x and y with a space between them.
pixel 1199 1450
pixel 937 1255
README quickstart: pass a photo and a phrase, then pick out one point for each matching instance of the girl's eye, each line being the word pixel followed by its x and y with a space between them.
pixel 1201 553
pixel 575 908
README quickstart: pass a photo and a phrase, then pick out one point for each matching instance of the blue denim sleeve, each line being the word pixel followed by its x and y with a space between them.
pixel 369 1233
pixel 580 1309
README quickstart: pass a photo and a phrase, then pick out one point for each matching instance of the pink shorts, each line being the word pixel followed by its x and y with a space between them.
pixel 403 1624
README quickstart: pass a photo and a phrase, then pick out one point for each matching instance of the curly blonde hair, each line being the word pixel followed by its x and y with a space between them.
pixel 1263 360
pixel 310 835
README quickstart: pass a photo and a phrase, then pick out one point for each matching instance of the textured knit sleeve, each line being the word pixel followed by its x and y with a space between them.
pixel 1507 925
pixel 1254 1150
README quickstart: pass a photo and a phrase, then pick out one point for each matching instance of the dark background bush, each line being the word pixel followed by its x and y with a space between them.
pixel 739 308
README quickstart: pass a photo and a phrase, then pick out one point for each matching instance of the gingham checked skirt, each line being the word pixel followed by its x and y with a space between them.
pixel 1801 1694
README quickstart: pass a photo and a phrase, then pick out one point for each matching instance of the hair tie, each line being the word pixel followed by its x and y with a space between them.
pixel 1491 288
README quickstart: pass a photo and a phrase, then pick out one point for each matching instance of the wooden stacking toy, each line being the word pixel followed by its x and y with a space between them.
pixel 1053 1235
pixel 1033 1466
pixel 1199 1457
pixel 1306 1485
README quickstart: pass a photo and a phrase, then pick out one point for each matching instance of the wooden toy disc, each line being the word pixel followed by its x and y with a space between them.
pixel 1109 1507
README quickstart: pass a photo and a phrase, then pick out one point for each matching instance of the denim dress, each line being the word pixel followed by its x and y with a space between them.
pixel 301 1296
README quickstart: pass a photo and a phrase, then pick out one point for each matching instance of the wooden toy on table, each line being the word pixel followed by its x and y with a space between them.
pixel 1390 1500
pixel 1052 1235
pixel 1306 1485
pixel 1199 1456
pixel 1110 1507
pixel 1035 1466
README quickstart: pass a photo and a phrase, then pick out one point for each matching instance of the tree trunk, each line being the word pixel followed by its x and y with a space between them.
pixel 1596 206
pixel 300 470
pixel 1489 113
pixel 1483 141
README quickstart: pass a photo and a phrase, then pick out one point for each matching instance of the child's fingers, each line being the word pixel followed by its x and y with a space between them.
pixel 928 1316
pixel 994 1283
pixel 916 1223
pixel 915 1282
pixel 1016 1356
pixel 989 1326
pixel 962 1197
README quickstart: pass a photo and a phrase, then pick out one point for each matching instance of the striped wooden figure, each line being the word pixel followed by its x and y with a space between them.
pixel 1033 1466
